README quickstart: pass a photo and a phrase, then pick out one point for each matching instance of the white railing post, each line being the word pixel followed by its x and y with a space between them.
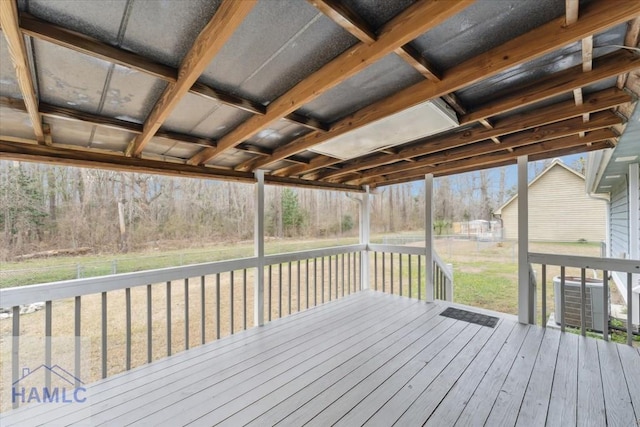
pixel 449 290
pixel 365 236
pixel 525 312
pixel 428 236
pixel 258 239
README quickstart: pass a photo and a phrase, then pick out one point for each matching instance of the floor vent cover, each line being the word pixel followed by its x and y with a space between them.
pixel 468 316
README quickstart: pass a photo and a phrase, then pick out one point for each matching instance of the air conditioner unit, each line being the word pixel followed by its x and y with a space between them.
pixel 594 301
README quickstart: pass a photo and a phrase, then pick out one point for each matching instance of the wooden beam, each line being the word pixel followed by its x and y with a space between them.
pixel 601 120
pixel 405 27
pixel 596 17
pixel 610 65
pixel 211 39
pixel 594 102
pixel 294 182
pixel 99 160
pixel 20 60
pixel 487 159
pixel 571 11
pixel 534 158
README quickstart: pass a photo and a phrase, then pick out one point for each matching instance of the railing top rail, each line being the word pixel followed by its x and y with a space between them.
pixel 398 249
pixel 313 253
pixel 609 264
pixel 21 295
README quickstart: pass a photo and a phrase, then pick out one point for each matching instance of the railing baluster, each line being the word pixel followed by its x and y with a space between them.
pixel 104 335
pixel 605 305
pixel 306 270
pixel 562 299
pixel 203 306
pixel 298 296
pixel 583 302
pixel 337 278
pixel 544 295
pixel 322 278
pixel 15 350
pixel 270 293
pixel 186 314
pixel 330 276
pixel 289 293
pixel 231 288
pixel 127 299
pixel 400 274
pixel 630 309
pixel 384 276
pixel 419 277
pixel 349 272
pixel 315 282
pixel 279 291
pixel 48 315
pixel 77 369
pixel 356 263
pixel 410 277
pixel 149 326
pixel 375 271
pixel 168 318
pixel 218 306
pixel 391 269
pixel 244 299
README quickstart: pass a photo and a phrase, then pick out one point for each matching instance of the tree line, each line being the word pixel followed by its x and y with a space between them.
pixel 45 207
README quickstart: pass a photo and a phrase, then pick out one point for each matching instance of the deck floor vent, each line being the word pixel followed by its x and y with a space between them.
pixel 471 317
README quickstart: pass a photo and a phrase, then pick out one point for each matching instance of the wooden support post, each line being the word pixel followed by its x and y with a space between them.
pixel 428 236
pixel 258 238
pixel 524 301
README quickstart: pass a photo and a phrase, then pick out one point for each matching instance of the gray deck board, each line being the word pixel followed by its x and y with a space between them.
pixel 535 404
pixel 373 359
pixel 591 410
pixel 618 405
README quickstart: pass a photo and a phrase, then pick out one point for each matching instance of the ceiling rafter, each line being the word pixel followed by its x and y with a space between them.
pixel 20 59
pixel 511 161
pixel 631 39
pixel 594 102
pixel 42 30
pixel 541 147
pixel 597 16
pixel 12 150
pixel 601 120
pixel 406 26
pixel 211 39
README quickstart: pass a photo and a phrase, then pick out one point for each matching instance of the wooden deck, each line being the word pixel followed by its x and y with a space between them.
pixel 372 359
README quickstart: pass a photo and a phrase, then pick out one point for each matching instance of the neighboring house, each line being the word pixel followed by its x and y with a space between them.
pixel 614 175
pixel 559 209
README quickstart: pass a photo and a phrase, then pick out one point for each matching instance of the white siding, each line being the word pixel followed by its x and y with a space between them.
pixel 559 210
pixel 619 221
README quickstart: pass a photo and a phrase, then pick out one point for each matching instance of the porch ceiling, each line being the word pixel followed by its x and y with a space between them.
pixel 218 89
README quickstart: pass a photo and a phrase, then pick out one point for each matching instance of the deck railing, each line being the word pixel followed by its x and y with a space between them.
pixel 179 303
pixel 399 270
pixel 576 305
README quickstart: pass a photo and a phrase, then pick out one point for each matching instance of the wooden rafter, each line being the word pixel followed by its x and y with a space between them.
pixel 594 102
pixel 539 148
pixel 596 16
pixel 18 52
pixel 511 161
pixel 11 150
pixel 632 38
pixel 405 27
pixel 42 30
pixel 211 39
pixel 343 15
pixel 601 120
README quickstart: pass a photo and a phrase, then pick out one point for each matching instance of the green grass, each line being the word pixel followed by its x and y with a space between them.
pixel 47 270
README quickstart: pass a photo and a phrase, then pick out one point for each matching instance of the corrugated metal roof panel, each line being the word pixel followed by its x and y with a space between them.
pixel 90 18
pixel 70 132
pixel 70 79
pixel 376 82
pixel 8 81
pixel 278 133
pixel 111 139
pixel 277 45
pixel 165 30
pixel 16 123
pixel 131 94
pixel 376 13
